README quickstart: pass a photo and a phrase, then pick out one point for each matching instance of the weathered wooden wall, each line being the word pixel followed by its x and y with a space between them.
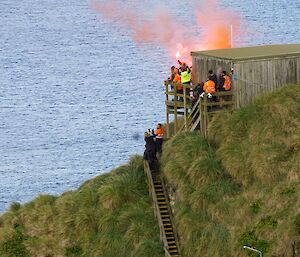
pixel 202 64
pixel 251 77
pixel 255 77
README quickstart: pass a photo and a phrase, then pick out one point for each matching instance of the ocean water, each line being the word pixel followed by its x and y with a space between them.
pixel 76 93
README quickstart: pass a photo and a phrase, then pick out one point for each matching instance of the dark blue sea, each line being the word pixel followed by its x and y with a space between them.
pixel 76 93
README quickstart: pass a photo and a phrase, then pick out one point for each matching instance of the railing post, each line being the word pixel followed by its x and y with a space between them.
pixel 175 108
pixel 167 109
pixel 205 117
pixel 167 90
pixel 200 114
pixel 185 108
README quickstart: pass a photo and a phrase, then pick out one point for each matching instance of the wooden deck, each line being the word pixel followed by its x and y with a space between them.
pixel 198 115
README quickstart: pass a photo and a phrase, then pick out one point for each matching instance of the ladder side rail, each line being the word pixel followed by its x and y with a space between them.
pixel 155 203
pixel 171 216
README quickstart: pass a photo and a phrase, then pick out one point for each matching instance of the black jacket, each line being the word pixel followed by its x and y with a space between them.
pixel 150 151
pixel 214 78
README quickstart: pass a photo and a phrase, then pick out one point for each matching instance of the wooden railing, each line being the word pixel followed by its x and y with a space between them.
pixel 196 115
pixel 151 188
pixel 225 101
pixel 155 204
pixel 177 104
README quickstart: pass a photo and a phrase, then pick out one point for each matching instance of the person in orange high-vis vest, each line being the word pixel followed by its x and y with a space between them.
pixel 159 132
pixel 227 81
pixel 209 87
pixel 177 79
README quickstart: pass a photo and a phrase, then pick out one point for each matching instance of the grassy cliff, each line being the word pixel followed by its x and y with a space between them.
pixel 242 185
pixel 239 187
pixel 110 215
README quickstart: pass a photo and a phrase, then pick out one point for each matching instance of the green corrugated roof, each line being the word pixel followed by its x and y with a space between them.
pixel 254 52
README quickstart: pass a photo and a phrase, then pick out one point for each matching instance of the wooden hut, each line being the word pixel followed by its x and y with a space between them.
pixel 256 69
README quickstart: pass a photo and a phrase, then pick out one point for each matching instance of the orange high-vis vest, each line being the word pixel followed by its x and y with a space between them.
pixel 227 83
pixel 177 79
pixel 209 87
pixel 159 133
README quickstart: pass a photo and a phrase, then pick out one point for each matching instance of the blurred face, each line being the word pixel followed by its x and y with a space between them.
pixel 176 71
pixel 158 126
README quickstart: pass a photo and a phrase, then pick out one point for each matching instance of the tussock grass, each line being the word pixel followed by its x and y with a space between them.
pixel 195 173
pixel 108 216
pixel 261 142
pixel 241 186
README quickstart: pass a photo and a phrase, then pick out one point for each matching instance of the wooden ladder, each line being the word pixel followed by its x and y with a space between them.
pixel 163 212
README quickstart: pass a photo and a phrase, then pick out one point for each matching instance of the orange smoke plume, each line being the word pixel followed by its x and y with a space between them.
pixel 219 25
pixel 213 22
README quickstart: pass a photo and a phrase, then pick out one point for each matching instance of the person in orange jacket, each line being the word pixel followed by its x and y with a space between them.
pixel 226 81
pixel 159 132
pixel 209 86
pixel 177 79
pixel 172 74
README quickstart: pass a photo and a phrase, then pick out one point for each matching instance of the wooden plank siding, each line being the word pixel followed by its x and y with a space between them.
pixel 201 66
pixel 260 76
pixel 252 77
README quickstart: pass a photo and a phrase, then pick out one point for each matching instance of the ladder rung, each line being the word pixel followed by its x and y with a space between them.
pixel 163 207
pixel 162 204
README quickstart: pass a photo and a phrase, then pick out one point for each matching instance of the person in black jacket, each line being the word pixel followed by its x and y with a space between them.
pixel 197 91
pixel 212 76
pixel 150 151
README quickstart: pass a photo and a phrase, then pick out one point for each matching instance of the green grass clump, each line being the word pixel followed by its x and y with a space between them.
pixel 297 224
pixel 289 191
pixel 268 221
pixel 249 238
pixel 110 215
pixel 256 206
pixel 73 251
pixel 14 245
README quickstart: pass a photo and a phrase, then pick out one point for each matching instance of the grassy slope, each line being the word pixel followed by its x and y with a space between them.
pixel 239 187
pixel 242 185
pixel 110 215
